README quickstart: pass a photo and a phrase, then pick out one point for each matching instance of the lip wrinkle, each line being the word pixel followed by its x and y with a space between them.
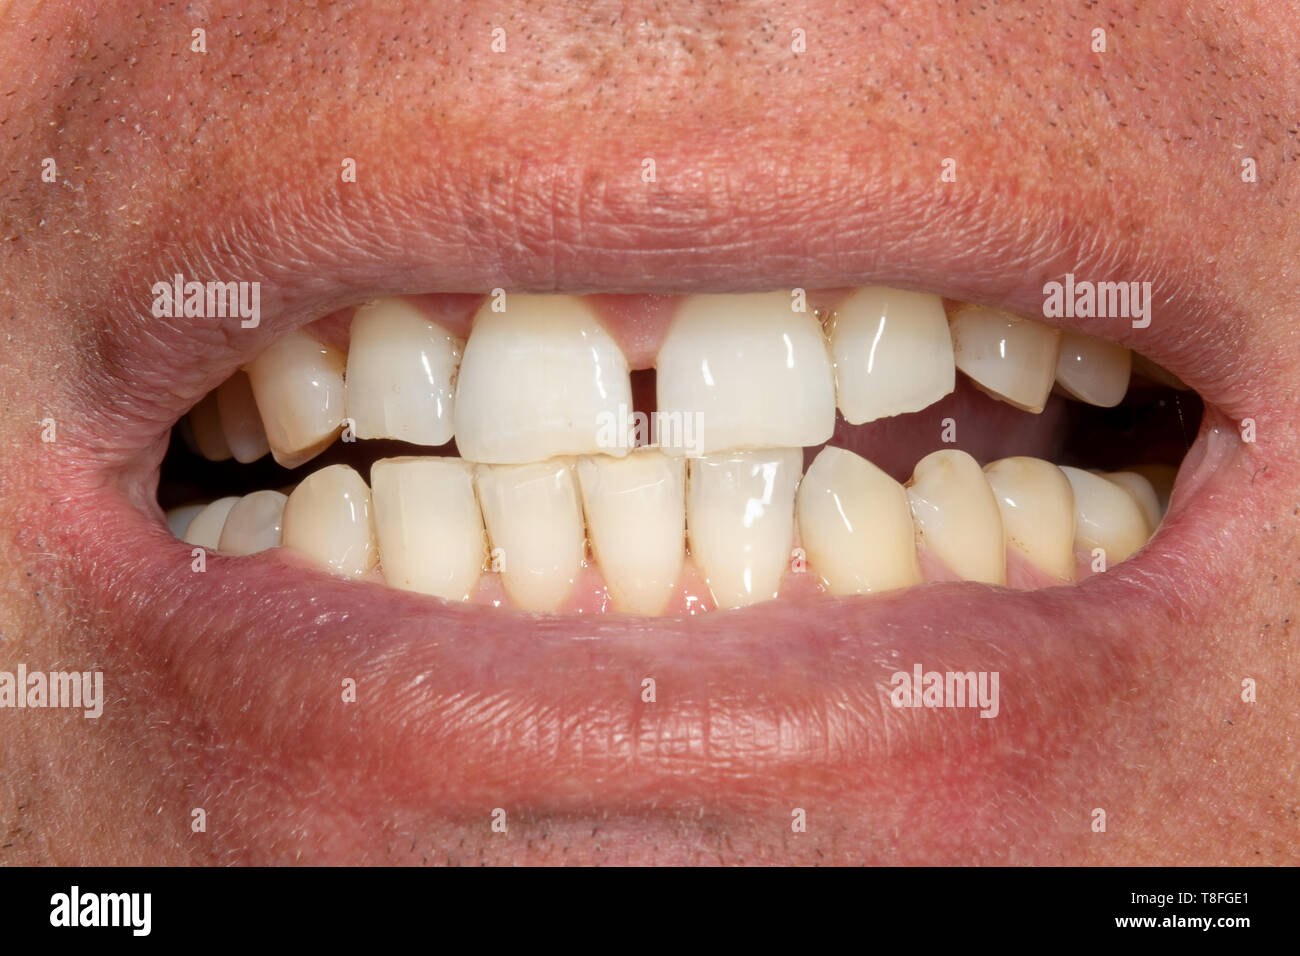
pixel 568 229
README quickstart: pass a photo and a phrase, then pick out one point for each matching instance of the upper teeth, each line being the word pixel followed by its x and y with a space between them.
pixel 298 384
pixel 401 375
pixel 755 373
pixel 537 381
pixel 535 393
pixel 893 353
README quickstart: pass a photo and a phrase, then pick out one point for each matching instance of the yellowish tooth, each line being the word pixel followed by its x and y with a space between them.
pixel 636 521
pixel 539 380
pixel 328 519
pixel 204 529
pixel 752 373
pixel 298 384
pixel 253 524
pixel 1037 507
pixel 241 424
pixel 740 521
pixel 205 424
pixel 534 522
pixel 957 517
pixel 401 376
pixel 431 536
pixel 1162 478
pixel 856 525
pixel 892 353
pixel 1106 516
pixel 1010 358
pixel 178 519
pixel 1143 492
pixel 1093 370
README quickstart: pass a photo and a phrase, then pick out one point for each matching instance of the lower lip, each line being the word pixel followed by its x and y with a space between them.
pixel 459 710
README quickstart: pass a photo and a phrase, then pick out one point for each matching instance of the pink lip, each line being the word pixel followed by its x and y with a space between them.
pixel 757 710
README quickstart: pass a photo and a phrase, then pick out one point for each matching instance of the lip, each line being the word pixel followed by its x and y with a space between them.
pixel 757 710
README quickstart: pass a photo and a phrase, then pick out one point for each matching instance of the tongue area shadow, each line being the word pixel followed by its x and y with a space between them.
pixel 967 420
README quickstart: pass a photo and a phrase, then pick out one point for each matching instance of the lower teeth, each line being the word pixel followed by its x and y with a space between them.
pixel 444 527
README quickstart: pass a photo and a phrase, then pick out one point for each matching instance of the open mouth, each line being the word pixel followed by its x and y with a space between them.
pixel 657 455
pixel 501 595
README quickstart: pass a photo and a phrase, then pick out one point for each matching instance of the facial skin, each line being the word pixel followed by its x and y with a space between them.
pixel 523 169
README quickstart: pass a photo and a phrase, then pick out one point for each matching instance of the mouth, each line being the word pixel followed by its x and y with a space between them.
pixel 534 608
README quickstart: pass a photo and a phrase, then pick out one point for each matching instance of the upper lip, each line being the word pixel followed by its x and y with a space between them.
pixel 466 710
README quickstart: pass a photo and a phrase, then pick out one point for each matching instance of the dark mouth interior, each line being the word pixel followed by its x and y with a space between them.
pixel 1154 425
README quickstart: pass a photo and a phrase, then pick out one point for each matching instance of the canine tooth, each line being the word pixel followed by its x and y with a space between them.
pixel 1011 358
pixel 1143 492
pixel 636 515
pixel 752 372
pixel 892 353
pixel 856 525
pixel 298 384
pixel 740 521
pixel 541 379
pixel 204 529
pixel 1037 507
pixel 401 375
pixel 534 521
pixel 957 516
pixel 1093 370
pixel 328 519
pixel 1106 516
pixel 205 424
pixel 430 529
pixel 240 421
pixel 178 519
pixel 253 524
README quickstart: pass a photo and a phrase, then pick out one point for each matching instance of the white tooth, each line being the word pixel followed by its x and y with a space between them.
pixel 541 379
pixel 298 384
pixel 328 519
pixel 636 514
pixel 740 521
pixel 204 530
pixel 748 370
pixel 1106 516
pixel 957 516
pixel 1093 370
pixel 401 376
pixel 1037 508
pixel 892 353
pixel 534 520
pixel 1010 358
pixel 205 424
pixel 253 524
pixel 430 528
pixel 240 421
pixel 1143 492
pixel 856 525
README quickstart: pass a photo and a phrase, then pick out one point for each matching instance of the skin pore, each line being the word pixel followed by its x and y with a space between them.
pixel 523 169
